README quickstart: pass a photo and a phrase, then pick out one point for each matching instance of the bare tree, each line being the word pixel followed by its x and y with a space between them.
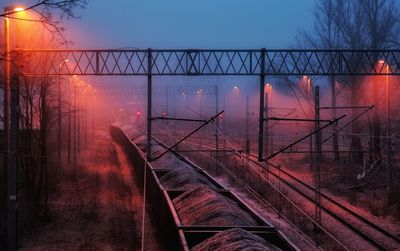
pixel 51 14
pixel 35 113
pixel 355 24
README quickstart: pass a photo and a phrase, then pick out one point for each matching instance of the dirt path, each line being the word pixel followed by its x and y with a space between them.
pixel 99 208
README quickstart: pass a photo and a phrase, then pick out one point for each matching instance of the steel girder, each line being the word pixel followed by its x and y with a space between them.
pixel 207 62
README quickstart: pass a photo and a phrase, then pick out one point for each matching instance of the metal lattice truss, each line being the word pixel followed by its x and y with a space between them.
pixel 208 62
pixel 141 90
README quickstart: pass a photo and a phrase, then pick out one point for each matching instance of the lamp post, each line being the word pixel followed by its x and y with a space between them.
pixel 236 97
pixel 93 106
pixel 388 130
pixel 10 137
pixel 385 65
pixel 7 92
pixel 309 88
pixel 69 119
pixel 6 113
pixel 59 122
pixel 75 139
pixel 85 114
pixel 267 101
pixel 78 105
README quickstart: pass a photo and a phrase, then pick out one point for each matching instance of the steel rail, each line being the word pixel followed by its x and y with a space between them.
pixel 333 214
pixel 258 197
pixel 331 200
pixel 326 197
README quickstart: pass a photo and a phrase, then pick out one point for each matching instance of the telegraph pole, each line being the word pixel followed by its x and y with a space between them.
pixel 6 199
pixel 217 127
pixel 11 125
pixel 78 107
pixel 261 112
pixel 149 102
pixel 59 128
pixel 317 175
pixel 389 135
pixel 75 107
pixel 69 123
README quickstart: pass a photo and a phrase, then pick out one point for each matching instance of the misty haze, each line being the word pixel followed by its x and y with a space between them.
pixel 200 125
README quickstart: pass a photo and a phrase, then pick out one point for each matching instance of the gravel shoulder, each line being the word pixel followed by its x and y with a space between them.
pixel 99 207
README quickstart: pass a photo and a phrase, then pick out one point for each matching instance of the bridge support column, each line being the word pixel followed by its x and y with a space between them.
pixel 261 113
pixel 149 103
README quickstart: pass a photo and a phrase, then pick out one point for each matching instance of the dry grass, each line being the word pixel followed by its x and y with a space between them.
pixel 92 210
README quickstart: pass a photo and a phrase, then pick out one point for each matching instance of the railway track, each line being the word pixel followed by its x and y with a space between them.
pixel 183 229
pixel 359 229
pixel 369 231
pixel 332 201
pixel 372 233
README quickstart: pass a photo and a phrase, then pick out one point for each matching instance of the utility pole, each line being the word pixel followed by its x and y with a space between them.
pixel 13 173
pixel 216 128
pixel 167 105
pixel 9 228
pixel 267 136
pixel 247 143
pixel 310 88
pixel 11 125
pixel 389 134
pixel 317 175
pixel 149 102
pixel 78 107
pixel 261 112
pixel 59 127
pixel 75 107
pixel 69 123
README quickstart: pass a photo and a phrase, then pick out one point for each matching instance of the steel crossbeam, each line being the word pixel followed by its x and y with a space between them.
pixel 207 62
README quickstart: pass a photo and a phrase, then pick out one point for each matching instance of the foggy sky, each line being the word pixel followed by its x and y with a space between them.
pixel 187 23
pixel 231 24
pixel 190 23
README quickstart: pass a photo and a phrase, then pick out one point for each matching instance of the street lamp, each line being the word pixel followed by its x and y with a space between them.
pixel 388 130
pixel 268 90
pixel 18 9
pixel 200 94
pixel 309 89
pixel 267 101
pixel 10 141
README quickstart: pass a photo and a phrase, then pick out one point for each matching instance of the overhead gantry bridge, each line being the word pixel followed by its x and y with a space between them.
pixel 194 62
pixel 208 62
